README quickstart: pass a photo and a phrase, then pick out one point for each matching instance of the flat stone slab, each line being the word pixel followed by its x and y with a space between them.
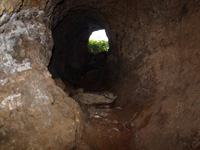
pixel 95 98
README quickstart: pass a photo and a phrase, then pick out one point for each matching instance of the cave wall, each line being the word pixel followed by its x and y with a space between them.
pixel 159 60
pixel 154 59
pixel 34 112
pixel 157 45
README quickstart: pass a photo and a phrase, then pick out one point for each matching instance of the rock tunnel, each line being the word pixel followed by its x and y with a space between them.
pixel 144 94
pixel 71 60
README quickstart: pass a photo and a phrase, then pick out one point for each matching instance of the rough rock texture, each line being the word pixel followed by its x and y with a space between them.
pixel 34 112
pixel 94 105
pixel 153 67
pixel 159 59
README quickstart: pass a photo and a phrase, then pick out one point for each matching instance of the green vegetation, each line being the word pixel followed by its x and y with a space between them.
pixel 96 47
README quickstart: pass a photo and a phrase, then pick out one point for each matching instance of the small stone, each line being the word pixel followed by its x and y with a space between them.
pixel 96 116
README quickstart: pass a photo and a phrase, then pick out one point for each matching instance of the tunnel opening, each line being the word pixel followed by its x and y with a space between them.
pixel 98 42
pixel 99 35
pixel 73 62
pixel 89 78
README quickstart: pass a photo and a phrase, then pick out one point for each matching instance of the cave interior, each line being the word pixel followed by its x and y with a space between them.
pixel 143 94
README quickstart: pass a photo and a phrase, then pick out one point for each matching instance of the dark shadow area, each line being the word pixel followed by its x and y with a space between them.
pixel 71 61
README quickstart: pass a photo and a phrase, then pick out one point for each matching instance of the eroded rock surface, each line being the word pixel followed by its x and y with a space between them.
pixel 34 112
pixel 95 98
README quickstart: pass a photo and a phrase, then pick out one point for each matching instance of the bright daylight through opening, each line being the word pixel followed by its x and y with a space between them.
pixel 99 35
pixel 98 42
